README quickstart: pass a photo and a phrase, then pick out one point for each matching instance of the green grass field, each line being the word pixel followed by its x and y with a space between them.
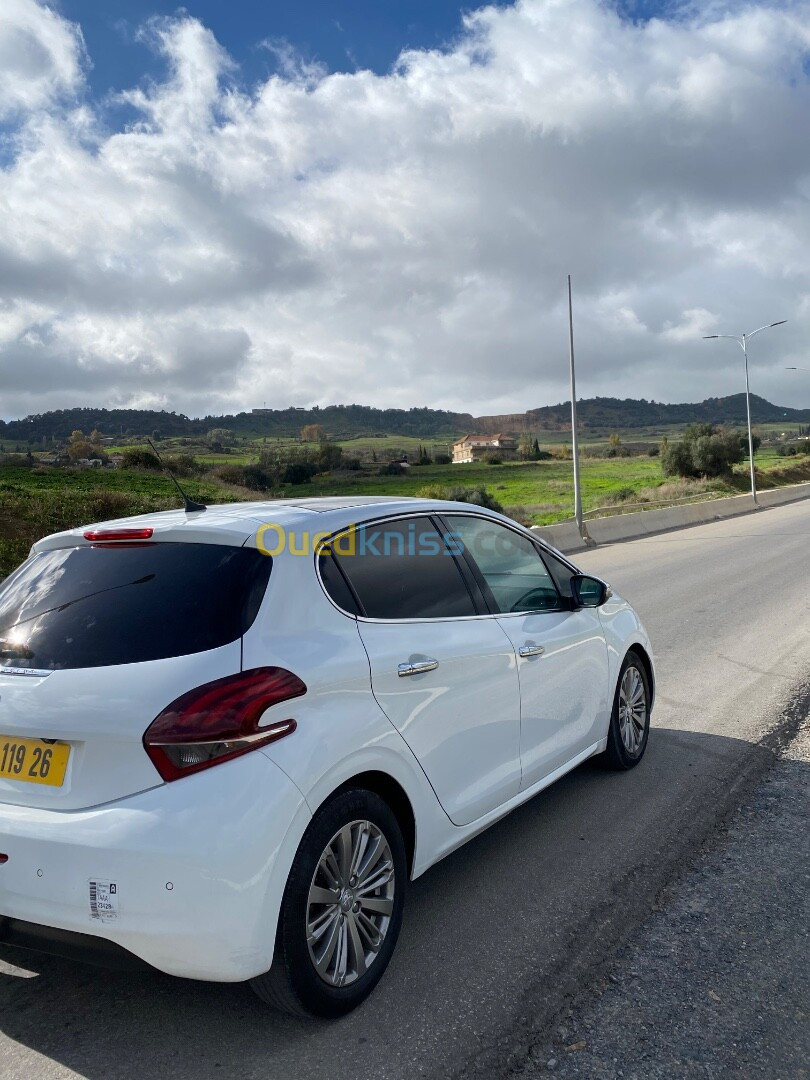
pixel 37 501
pixel 513 483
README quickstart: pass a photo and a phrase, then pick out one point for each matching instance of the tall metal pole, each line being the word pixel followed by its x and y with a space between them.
pixel 574 442
pixel 750 432
pixel 743 343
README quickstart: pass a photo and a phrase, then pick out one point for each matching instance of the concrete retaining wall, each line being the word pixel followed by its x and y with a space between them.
pixel 608 530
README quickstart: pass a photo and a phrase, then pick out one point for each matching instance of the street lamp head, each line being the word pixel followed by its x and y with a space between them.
pixel 780 323
pixel 708 337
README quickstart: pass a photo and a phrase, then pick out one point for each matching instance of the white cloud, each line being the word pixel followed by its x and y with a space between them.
pixel 404 239
pixel 40 57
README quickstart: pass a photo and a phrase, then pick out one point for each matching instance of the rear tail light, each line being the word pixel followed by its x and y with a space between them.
pixel 220 720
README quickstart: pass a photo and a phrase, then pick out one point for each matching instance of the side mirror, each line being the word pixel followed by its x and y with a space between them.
pixel 588 591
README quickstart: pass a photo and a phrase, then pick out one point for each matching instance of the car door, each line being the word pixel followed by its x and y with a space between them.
pixel 442 670
pixel 561 653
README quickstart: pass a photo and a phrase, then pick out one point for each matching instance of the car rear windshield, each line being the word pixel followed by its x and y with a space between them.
pixel 94 606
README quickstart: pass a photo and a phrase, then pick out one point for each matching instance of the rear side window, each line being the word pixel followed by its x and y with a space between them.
pixel 335 583
pixel 99 605
pixel 402 570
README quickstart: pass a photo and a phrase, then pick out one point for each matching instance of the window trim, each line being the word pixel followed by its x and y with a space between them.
pixel 318 556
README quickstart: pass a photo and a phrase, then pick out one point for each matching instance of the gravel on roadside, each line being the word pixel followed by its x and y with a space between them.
pixel 716 983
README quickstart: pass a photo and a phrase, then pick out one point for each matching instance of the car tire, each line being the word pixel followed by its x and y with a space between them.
pixel 630 720
pixel 327 906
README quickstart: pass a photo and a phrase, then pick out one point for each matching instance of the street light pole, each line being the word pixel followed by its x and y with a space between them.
pixel 750 429
pixel 574 442
pixel 743 343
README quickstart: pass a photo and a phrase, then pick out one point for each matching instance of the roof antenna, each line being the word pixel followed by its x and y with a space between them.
pixel 189 505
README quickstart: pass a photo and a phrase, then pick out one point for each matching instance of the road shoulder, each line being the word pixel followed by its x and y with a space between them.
pixel 716 983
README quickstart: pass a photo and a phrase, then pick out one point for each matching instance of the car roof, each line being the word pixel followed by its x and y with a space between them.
pixel 234 524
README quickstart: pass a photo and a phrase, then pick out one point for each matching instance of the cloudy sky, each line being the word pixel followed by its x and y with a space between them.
pixel 226 205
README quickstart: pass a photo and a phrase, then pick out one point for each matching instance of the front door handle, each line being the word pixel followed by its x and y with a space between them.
pixel 531 650
pixel 416 667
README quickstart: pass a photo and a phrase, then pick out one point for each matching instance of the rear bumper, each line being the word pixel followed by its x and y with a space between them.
pixel 68 944
pixel 199 865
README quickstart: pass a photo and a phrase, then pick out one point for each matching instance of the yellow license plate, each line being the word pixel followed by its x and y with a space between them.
pixel 33 760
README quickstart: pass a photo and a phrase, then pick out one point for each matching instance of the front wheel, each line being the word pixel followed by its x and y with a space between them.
pixel 342 909
pixel 630 719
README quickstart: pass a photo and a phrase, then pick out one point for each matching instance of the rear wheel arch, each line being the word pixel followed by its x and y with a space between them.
pixel 393 793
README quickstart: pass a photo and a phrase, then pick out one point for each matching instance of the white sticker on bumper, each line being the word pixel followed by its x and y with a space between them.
pixel 103 900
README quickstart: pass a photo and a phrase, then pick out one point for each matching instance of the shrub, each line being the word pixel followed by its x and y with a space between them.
pixel 478 496
pixel 443 459
pixel 136 458
pixel 704 451
pixel 676 459
pixel 328 456
pixel 257 478
pixel 298 472
pixel 432 491
pixel 184 465
pixel 493 459
pixel 232 474
pixel 393 468
pixel 17 460
pixel 519 514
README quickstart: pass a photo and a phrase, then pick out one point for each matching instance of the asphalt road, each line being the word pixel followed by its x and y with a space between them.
pixel 498 936
pixel 716 984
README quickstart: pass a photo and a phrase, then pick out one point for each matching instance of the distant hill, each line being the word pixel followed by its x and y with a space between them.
pixel 617 413
pixel 345 421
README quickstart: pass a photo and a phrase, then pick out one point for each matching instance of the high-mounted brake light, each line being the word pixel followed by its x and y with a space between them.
pixel 118 534
pixel 220 720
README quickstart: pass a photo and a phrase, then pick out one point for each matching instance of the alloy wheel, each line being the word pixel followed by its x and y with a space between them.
pixel 350 903
pixel 632 709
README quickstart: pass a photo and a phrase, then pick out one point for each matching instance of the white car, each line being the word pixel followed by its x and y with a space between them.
pixel 229 738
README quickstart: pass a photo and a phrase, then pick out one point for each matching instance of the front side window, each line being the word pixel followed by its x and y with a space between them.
pixel 400 570
pixel 509 563
pixel 104 604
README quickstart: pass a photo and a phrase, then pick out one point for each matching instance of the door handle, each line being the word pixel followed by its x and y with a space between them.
pixel 531 650
pixel 417 667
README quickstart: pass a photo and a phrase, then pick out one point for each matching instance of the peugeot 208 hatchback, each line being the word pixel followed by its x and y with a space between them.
pixel 228 739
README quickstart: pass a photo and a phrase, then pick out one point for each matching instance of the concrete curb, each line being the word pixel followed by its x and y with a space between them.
pixel 609 530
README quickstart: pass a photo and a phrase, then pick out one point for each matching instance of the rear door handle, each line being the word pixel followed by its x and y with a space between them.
pixel 531 650
pixel 416 667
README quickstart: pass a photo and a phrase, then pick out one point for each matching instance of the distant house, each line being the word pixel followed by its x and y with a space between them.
pixel 88 463
pixel 476 447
